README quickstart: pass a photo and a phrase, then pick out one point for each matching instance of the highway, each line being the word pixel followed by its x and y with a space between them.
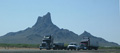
pixel 57 51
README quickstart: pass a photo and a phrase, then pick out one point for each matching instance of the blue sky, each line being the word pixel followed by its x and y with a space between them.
pixel 99 17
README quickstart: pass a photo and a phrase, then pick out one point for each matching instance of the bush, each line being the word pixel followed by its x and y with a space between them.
pixel 20 45
pixel 109 47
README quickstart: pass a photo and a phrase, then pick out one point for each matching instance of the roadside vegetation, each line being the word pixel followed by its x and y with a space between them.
pixel 109 47
pixel 19 45
pixel 4 45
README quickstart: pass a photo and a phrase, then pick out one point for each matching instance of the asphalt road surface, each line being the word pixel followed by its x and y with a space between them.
pixel 57 51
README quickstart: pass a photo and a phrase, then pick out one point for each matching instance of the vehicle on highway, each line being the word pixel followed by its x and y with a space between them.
pixel 73 46
pixel 47 42
pixel 88 43
pixel 59 46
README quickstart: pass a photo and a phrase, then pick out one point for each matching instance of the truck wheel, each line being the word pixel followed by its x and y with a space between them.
pixel 78 49
pixel 96 48
pixel 75 49
pixel 48 49
pixel 54 49
pixel 40 49
pixel 90 49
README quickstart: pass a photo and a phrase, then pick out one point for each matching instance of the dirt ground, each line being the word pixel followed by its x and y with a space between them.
pixel 36 50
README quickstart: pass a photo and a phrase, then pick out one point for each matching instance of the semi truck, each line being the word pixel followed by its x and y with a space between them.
pixel 47 43
pixel 88 43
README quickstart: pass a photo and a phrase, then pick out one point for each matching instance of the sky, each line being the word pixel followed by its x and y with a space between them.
pixel 101 18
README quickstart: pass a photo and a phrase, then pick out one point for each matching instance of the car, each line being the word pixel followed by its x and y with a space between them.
pixel 73 46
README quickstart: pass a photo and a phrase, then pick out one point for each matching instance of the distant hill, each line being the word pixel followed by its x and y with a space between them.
pixel 102 42
pixel 44 26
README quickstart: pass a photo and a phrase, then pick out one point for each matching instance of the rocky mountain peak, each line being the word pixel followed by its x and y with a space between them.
pixel 44 20
pixel 86 34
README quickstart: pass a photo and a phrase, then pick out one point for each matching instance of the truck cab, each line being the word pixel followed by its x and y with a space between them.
pixel 47 42
pixel 44 45
pixel 88 43
pixel 84 44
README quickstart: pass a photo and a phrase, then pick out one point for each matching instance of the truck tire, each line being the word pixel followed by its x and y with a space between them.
pixel 78 49
pixel 68 49
pixel 54 49
pixel 96 48
pixel 89 48
pixel 48 48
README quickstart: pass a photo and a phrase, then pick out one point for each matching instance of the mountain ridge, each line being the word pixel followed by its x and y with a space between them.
pixel 44 26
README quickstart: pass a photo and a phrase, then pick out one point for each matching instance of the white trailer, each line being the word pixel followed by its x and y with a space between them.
pixel 89 43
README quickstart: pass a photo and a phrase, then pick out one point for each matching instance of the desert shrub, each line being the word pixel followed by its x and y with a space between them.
pixel 109 47
pixel 19 45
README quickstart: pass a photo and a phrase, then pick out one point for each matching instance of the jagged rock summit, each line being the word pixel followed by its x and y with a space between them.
pixel 46 19
pixel 85 33
pixel 44 26
pixel 34 35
